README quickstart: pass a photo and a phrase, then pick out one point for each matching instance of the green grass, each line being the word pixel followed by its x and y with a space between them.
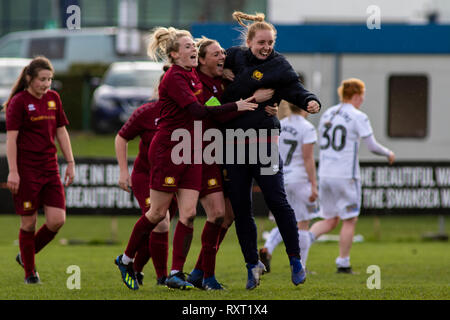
pixel 92 145
pixel 410 268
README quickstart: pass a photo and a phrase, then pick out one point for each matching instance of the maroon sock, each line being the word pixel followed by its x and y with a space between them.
pixel 181 244
pixel 210 241
pixel 141 232
pixel 26 245
pixel 142 256
pixel 223 232
pixel 199 263
pixel 159 248
pixel 42 238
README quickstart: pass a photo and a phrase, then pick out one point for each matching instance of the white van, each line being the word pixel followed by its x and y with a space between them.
pixel 64 47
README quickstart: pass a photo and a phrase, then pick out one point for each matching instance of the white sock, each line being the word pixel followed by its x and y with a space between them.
pixel 273 240
pixel 172 272
pixel 312 237
pixel 126 259
pixel 343 262
pixel 304 242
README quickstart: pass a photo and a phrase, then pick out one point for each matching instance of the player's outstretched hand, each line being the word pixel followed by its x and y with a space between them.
pixel 272 111
pixel 228 74
pixel 313 106
pixel 246 105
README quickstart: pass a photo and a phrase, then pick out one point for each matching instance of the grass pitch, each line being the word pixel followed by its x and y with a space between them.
pixel 409 267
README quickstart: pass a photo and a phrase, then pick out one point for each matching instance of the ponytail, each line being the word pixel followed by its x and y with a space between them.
pixel 163 41
pixel 250 29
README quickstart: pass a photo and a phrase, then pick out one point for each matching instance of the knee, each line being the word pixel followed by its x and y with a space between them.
pixel 333 223
pixel 155 215
pixel 56 224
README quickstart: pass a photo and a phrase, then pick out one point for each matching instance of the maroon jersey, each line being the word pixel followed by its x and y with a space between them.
pixel 143 123
pixel 37 121
pixel 212 87
pixel 178 89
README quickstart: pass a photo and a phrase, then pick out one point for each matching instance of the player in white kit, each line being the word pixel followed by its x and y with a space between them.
pixel 340 129
pixel 296 147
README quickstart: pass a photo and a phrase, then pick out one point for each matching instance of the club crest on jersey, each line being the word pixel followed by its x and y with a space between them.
pixel 147 202
pixel 257 75
pixel 169 182
pixel 51 105
pixel 31 107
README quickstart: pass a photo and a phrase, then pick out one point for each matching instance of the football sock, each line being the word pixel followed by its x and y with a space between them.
pixel 343 262
pixel 181 244
pixel 43 237
pixel 142 256
pixel 304 242
pixel 223 232
pixel 210 240
pixel 273 240
pixel 26 245
pixel 126 259
pixel 159 249
pixel 140 233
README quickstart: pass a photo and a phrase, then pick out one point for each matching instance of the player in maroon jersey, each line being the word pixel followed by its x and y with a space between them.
pixel 143 123
pixel 178 93
pixel 34 118
pixel 218 208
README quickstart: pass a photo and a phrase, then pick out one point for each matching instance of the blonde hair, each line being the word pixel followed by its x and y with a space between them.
pixel 163 41
pixel 349 88
pixel 250 29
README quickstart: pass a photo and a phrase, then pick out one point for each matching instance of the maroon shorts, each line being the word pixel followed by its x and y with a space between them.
pixel 167 176
pixel 211 179
pixel 38 188
pixel 141 189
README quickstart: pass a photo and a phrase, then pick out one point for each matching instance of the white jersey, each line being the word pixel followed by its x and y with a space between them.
pixel 339 142
pixel 295 132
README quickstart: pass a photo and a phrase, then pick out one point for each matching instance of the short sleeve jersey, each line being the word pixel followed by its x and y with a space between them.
pixel 37 121
pixel 295 132
pixel 178 89
pixel 142 122
pixel 340 129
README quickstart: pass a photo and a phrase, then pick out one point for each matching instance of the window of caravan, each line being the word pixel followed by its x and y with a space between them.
pixel 408 106
pixel 11 49
pixel 52 48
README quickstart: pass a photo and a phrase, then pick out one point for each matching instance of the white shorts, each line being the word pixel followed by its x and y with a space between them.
pixel 297 196
pixel 339 197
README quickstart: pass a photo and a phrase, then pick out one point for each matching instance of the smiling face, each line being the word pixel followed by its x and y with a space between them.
pixel 212 63
pixel 39 85
pixel 261 45
pixel 187 54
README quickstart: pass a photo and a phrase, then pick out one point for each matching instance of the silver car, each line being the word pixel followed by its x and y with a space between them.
pixel 10 69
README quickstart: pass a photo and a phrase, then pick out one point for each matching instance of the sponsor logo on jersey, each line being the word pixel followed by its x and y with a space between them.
pixel 31 107
pixel 51 105
pixel 257 75
pixel 27 205
pixel 169 182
